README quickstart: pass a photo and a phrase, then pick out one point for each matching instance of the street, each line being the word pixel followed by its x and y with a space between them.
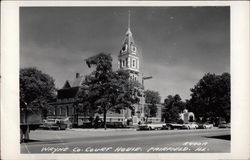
pixel 128 141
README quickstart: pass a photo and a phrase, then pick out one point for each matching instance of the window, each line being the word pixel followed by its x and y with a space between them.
pixel 123 48
pixel 123 63
pixel 133 63
pixel 71 111
pixel 133 49
pixel 63 110
pixel 67 110
pixel 58 110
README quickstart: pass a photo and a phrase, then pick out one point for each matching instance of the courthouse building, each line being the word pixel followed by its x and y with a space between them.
pixel 66 104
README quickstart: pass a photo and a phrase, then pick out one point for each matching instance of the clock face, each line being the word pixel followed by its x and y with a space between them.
pixel 124 48
pixel 133 49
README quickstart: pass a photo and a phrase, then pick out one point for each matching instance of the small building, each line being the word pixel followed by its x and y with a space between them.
pixel 187 116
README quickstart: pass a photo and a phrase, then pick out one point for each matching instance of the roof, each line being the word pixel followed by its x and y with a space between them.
pixel 76 82
pixel 71 88
pixel 67 93
pixel 129 38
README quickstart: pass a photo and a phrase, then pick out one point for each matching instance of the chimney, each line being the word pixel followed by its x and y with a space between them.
pixel 77 75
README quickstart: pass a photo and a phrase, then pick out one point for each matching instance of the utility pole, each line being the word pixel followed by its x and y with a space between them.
pixel 143 95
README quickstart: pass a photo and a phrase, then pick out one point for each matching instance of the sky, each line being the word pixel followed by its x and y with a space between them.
pixel 177 45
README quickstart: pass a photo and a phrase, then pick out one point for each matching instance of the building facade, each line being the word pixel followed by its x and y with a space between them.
pixel 66 104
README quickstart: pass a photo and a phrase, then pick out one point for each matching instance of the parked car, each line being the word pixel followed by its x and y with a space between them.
pixel 55 124
pixel 224 124
pixel 205 125
pixel 151 126
pixel 191 125
pixel 208 125
pixel 171 126
pixel 115 125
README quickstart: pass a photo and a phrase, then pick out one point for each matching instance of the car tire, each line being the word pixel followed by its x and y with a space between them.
pixel 149 128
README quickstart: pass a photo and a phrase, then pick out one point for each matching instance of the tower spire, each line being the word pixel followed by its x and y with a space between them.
pixel 129 19
pixel 128 31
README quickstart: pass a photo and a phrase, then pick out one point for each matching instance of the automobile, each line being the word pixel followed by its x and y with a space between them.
pixel 208 125
pixel 55 124
pixel 171 126
pixel 205 125
pixel 224 124
pixel 151 126
pixel 190 125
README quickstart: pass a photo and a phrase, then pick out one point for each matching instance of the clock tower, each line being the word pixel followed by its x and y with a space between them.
pixel 128 58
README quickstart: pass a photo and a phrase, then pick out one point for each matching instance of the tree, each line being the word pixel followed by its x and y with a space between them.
pixel 153 98
pixel 109 90
pixel 210 97
pixel 173 106
pixel 36 90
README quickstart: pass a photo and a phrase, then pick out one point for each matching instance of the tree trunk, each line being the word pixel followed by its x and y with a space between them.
pixel 104 118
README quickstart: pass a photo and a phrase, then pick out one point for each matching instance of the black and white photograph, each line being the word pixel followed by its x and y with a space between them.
pixel 120 80
pixel 125 79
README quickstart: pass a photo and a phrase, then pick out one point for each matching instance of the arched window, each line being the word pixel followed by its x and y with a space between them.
pixel 123 48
